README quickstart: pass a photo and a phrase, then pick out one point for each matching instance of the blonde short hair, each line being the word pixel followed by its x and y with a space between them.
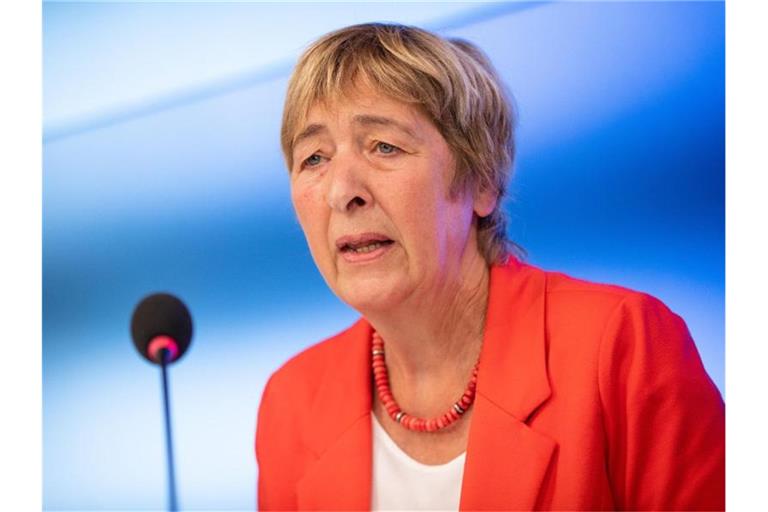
pixel 453 83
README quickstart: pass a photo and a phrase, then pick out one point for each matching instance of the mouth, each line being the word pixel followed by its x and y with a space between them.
pixel 366 247
pixel 363 243
pixel 363 247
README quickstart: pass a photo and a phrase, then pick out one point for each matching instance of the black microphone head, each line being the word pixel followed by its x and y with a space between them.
pixel 161 322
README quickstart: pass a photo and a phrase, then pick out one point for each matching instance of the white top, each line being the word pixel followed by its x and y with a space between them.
pixel 402 483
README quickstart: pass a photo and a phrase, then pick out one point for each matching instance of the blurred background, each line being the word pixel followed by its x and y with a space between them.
pixel 162 171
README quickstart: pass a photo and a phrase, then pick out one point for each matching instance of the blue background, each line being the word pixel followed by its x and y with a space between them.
pixel 162 171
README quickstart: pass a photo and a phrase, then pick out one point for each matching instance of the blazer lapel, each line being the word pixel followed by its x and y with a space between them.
pixel 507 460
pixel 340 477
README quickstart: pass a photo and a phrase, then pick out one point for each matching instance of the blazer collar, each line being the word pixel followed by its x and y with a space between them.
pixel 506 460
pixel 340 478
pixel 513 371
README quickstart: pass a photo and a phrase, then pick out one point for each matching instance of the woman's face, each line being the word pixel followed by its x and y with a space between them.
pixel 370 184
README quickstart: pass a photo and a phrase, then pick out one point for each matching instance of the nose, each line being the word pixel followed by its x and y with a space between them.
pixel 347 187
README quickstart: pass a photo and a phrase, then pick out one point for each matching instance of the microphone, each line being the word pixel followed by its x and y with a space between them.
pixel 161 322
pixel 161 328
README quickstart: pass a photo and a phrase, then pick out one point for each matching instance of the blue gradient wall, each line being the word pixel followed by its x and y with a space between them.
pixel 162 171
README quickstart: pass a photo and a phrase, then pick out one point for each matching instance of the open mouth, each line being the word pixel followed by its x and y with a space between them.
pixel 365 247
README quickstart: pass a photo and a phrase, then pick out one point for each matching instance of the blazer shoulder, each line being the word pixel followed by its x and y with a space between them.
pixel 569 291
pixel 577 305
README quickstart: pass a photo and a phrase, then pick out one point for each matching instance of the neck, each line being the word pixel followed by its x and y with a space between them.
pixel 432 343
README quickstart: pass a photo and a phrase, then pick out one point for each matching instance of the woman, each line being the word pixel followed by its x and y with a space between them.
pixel 472 380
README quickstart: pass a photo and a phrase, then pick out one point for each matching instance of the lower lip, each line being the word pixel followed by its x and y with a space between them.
pixel 364 257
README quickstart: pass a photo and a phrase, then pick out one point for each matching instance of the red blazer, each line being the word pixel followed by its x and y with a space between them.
pixel 589 397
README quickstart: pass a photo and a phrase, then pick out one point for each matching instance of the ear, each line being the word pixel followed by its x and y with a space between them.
pixel 485 202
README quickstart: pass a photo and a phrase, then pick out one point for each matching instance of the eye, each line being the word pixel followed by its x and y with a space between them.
pixel 312 161
pixel 386 149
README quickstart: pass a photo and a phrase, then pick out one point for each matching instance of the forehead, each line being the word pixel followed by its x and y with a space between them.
pixel 363 107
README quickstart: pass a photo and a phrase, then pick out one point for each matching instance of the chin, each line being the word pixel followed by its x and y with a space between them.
pixel 372 293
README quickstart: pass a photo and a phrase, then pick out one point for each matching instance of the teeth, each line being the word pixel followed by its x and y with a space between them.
pixel 367 248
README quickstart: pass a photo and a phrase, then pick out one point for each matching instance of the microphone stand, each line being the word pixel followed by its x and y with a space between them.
pixel 172 505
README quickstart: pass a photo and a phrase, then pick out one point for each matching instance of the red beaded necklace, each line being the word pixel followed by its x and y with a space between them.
pixel 381 379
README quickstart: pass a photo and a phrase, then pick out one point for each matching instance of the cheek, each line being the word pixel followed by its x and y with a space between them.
pixel 421 215
pixel 311 213
pixel 439 223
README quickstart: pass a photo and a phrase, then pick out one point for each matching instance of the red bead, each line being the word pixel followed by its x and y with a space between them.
pixel 381 379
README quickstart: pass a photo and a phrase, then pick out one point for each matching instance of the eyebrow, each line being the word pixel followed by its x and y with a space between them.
pixel 362 119
pixel 371 120
pixel 309 131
